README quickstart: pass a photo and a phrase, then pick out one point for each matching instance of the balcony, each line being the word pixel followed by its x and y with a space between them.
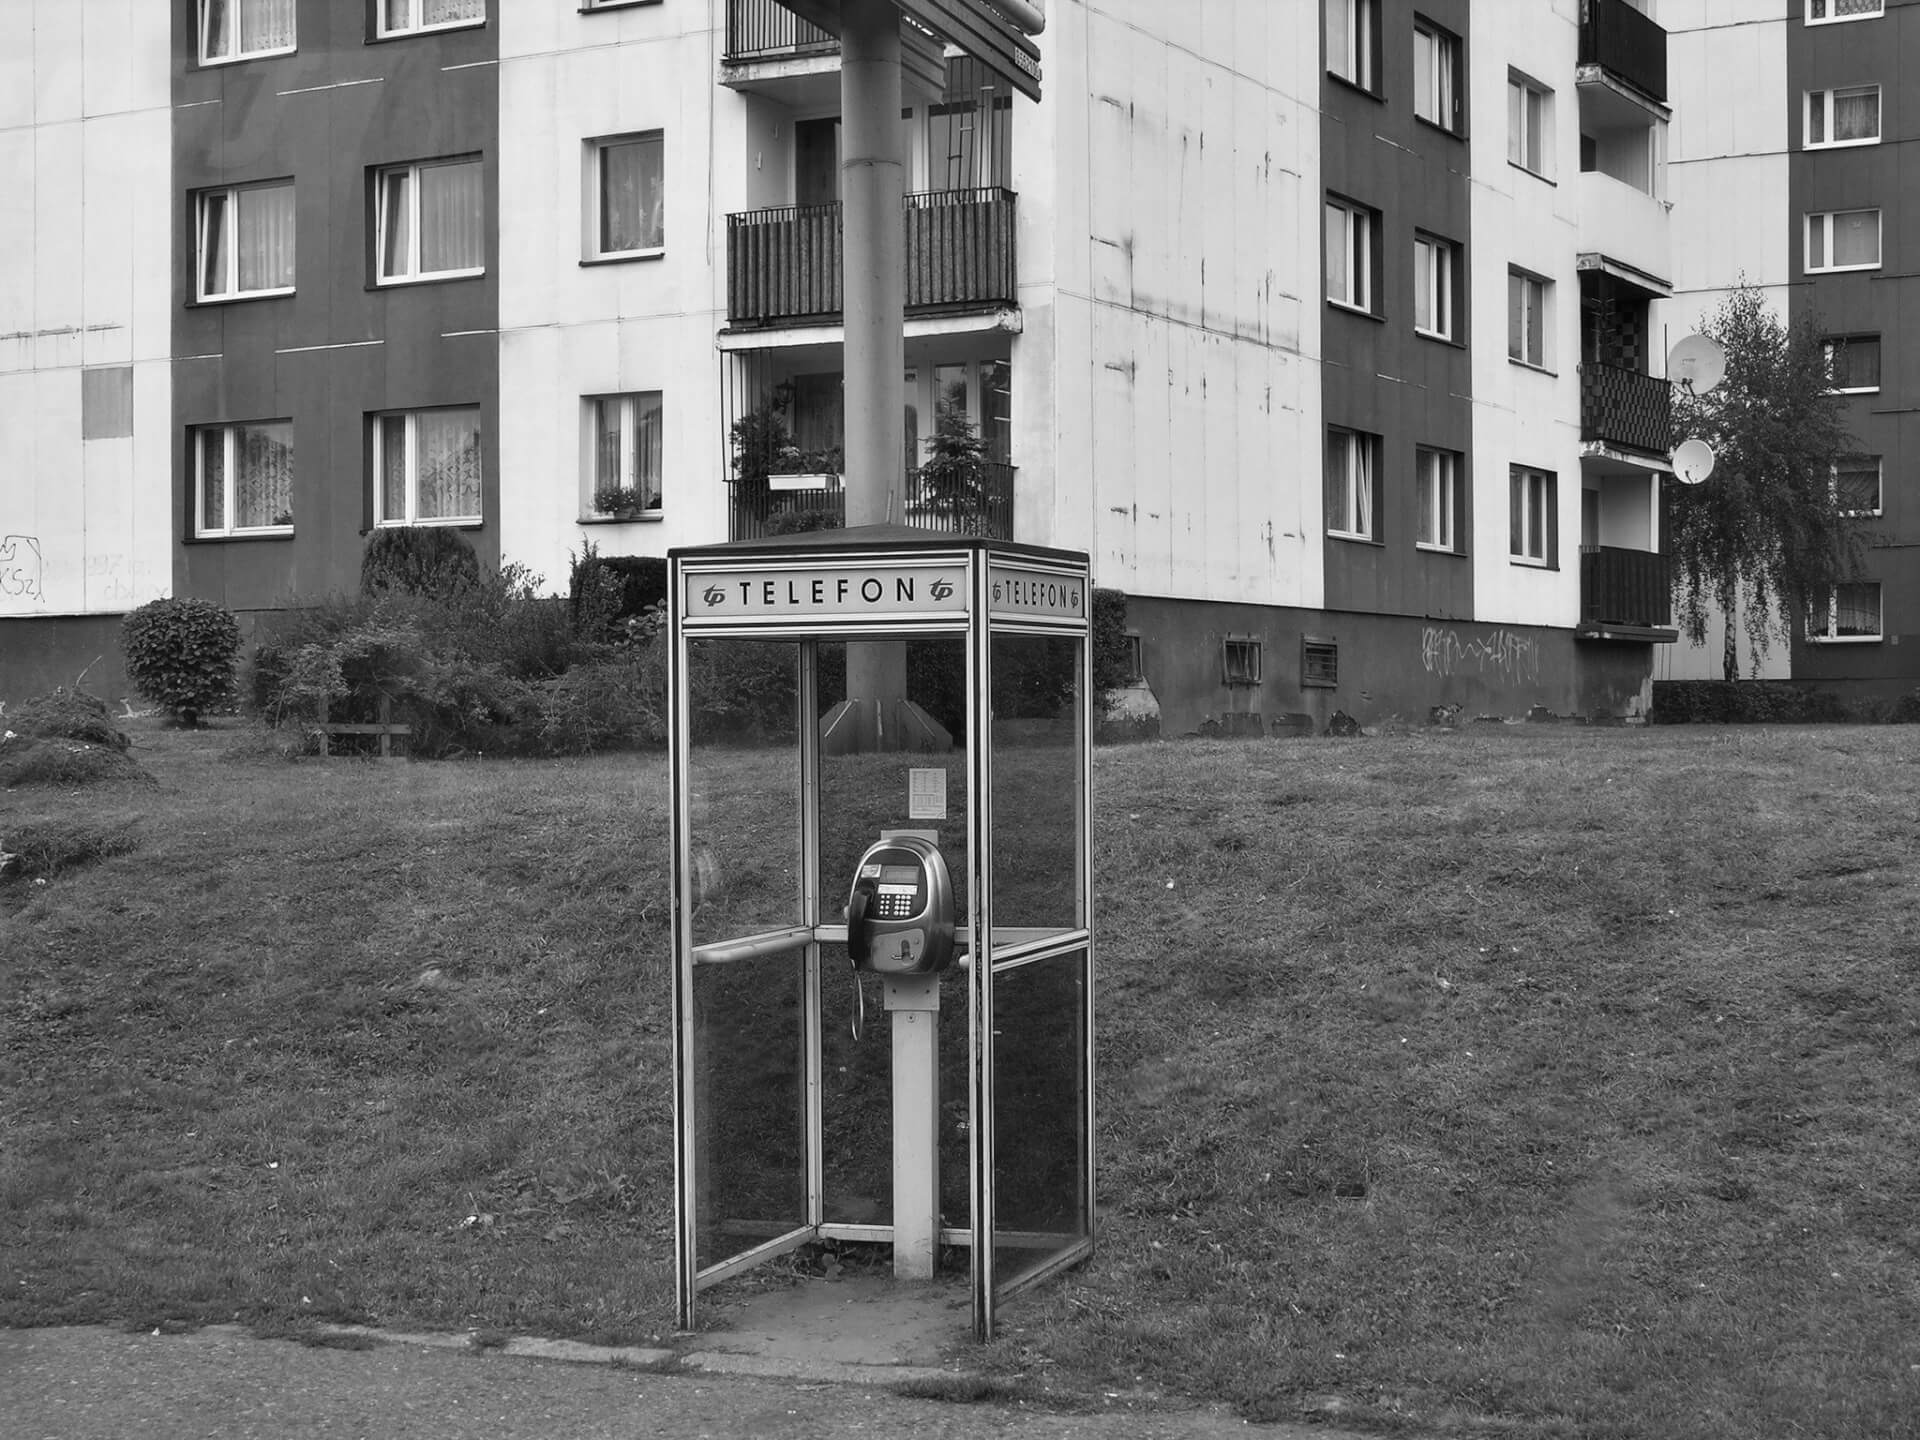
pixel 1625 588
pixel 1623 408
pixel 1625 44
pixel 767 30
pixel 990 513
pixel 784 264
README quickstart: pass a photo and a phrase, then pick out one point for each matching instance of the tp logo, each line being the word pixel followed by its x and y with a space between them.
pixel 714 596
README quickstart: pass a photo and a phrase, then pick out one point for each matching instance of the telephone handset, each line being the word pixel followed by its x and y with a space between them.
pixel 900 910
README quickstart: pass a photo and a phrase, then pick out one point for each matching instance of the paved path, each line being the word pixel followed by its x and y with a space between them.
pixel 221 1384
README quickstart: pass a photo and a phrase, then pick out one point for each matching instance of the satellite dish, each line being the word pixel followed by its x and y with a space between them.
pixel 1697 362
pixel 1692 461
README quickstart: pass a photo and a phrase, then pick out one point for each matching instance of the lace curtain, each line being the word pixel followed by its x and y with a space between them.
pixel 239 27
pixel 632 195
pixel 246 476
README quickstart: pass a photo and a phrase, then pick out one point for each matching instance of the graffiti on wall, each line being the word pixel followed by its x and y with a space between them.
pixel 22 579
pixel 1512 658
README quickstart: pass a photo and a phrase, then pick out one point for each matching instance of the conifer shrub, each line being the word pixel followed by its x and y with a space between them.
pixel 180 655
pixel 417 560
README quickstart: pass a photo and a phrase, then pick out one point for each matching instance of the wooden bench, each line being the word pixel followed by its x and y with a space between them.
pixel 384 728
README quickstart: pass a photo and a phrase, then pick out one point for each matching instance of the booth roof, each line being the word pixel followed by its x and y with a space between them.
pixel 870 537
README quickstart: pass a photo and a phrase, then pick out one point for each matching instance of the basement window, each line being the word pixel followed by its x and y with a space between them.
pixel 1240 660
pixel 1319 662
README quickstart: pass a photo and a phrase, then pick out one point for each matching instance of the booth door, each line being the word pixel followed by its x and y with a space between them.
pixel 747 976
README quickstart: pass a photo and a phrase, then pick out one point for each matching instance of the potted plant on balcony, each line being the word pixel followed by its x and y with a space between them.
pixel 622 502
pixel 953 481
pixel 808 469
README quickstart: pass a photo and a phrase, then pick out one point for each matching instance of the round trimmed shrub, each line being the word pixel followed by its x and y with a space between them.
pixel 418 560
pixel 181 654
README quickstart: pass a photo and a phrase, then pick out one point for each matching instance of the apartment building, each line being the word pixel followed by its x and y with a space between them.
pixel 1332 332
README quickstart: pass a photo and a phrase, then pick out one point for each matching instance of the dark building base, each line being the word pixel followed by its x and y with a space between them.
pixel 38 653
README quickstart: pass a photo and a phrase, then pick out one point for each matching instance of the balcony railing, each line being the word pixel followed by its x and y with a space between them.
pixel 767 30
pixel 1626 44
pixel 1625 587
pixel 989 514
pixel 1619 406
pixel 784 264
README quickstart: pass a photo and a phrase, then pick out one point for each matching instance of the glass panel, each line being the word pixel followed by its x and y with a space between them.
pixel 445 12
pixel 266 237
pixel 451 217
pixel 392 437
pixel 632 198
pixel 609 413
pixel 1038 847
pixel 215 243
pixel 743 755
pixel 216 32
pixel 646 446
pixel 1424 66
pixel 399 14
pixel 448 444
pixel 1040 1179
pixel 1856 237
pixel 1336 244
pixel 396 228
pixel 269 24
pixel 263 484
pixel 1423 286
pixel 213 479
pixel 749 1103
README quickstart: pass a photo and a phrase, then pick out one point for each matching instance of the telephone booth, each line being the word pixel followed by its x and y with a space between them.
pixel 854 711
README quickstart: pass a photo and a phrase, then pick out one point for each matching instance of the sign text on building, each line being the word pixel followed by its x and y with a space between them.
pixel 1015 592
pixel 895 592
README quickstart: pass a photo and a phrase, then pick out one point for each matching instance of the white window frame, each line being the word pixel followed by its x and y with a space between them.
pixel 629 477
pixel 1858 464
pixel 231 194
pixel 593 188
pixel 1354 62
pixel 1831 635
pixel 1824 12
pixel 1535 489
pixel 1832 347
pixel 413 25
pixel 1241 660
pixel 1820 104
pixel 1534 319
pixel 202 28
pixel 1356 239
pixel 1438 471
pixel 1360 458
pixel 412 442
pixel 1821 224
pixel 228 435
pixel 413 274
pixel 1529 145
pixel 1437 61
pixel 1435 275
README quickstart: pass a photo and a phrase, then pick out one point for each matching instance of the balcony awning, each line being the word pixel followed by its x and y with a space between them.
pixel 1653 286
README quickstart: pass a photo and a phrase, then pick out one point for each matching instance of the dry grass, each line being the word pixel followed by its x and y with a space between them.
pixel 1560 1080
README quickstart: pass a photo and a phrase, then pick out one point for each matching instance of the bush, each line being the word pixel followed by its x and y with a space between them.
pixel 1742 702
pixel 64 764
pixel 64 714
pixel 417 560
pixel 181 654
pixel 604 591
pixel 1112 655
pixel 613 704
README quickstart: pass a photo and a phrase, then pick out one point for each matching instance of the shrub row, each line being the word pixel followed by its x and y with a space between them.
pixel 1771 702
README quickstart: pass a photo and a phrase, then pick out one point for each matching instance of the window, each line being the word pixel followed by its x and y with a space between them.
pixel 1350 254
pixel 1844 240
pixel 426 466
pixel 1843 117
pixel 1436 279
pixel 1436 75
pixel 409 17
pixel 1353 38
pixel 1856 484
pixel 1353 473
pixel 430 219
pixel 1851 612
pixel 243 479
pixel 1319 662
pixel 1240 660
pixel 1853 362
pixel 237 29
pixel 1136 656
pixel 1528 299
pixel 1436 484
pixel 628 187
pixel 1821 12
pixel 625 478
pixel 1533 519
pixel 243 241
pixel 1529 123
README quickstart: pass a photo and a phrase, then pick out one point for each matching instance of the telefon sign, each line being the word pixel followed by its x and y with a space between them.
pixel 927 591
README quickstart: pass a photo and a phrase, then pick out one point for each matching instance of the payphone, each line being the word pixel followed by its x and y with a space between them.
pixel 900 911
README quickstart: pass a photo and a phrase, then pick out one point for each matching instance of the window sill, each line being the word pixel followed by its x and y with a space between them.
pixel 1529 563
pixel 1855 390
pixel 616 5
pixel 1439 339
pixel 1446 550
pixel 438 277
pixel 465 522
pixel 239 297
pixel 284 532
pixel 1838 144
pixel 1352 539
pixel 651 517
pixel 624 257
pixel 1440 128
pixel 1529 170
pixel 217 61
pixel 1845 19
pixel 1536 369
pixel 1845 639
pixel 1841 269
pixel 1356 87
pixel 419 30
pixel 1356 311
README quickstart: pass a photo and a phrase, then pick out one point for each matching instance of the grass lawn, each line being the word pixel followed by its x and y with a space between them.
pixel 1560 1080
